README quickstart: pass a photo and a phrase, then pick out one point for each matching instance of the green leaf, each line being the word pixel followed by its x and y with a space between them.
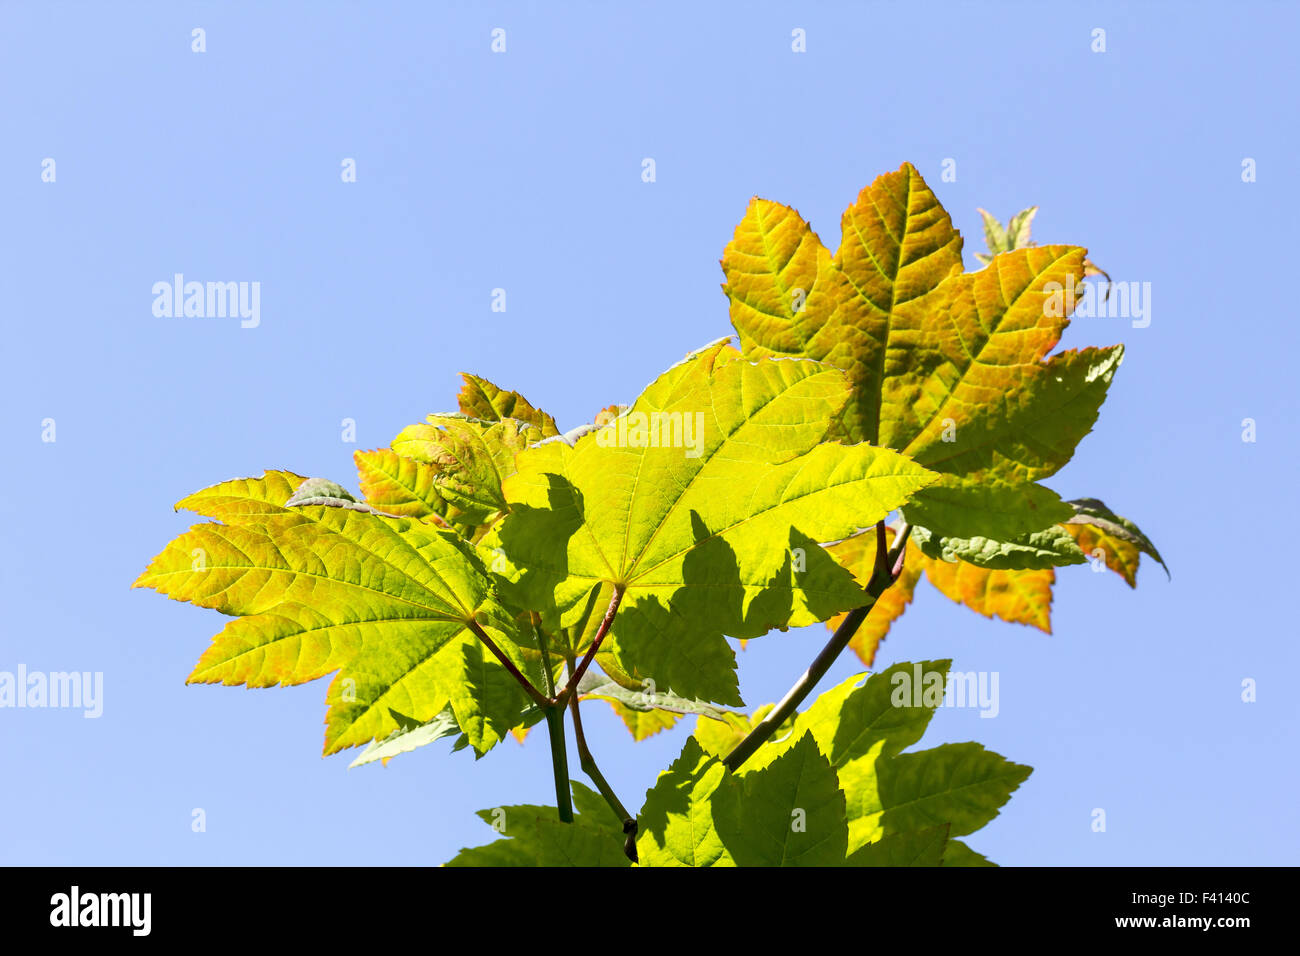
pixel 701 529
pixel 994 509
pixel 486 698
pixel 959 854
pixel 914 848
pixel 862 727
pixel 995 237
pixel 409 735
pixel 1094 513
pixel 1048 548
pixel 385 602
pixel 1014 236
pixel 858 718
pixel 1033 433
pixel 592 809
pixel 319 491
pixel 675 826
pixel 534 836
pixel 789 813
pixel 1019 226
pixel 962 785
pixel 838 784
pixel 644 697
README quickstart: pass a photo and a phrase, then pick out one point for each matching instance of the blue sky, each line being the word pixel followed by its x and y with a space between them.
pixel 522 171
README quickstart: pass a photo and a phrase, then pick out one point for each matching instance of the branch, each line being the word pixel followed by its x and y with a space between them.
pixel 509 665
pixel 605 623
pixel 888 567
pixel 606 791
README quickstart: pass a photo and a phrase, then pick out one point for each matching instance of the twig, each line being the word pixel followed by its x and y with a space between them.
pixel 509 665
pixel 887 569
pixel 581 669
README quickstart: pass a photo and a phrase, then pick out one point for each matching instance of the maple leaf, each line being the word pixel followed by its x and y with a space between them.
pixel 947 366
pixel 952 369
pixel 396 606
pixel 448 469
pixel 484 401
pixel 1116 540
pixel 1018 596
pixel 867 802
pixel 470 459
pixel 401 486
pixel 534 837
pixel 700 539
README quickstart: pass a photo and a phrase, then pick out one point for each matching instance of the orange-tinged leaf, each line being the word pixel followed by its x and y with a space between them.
pixel 898 246
pixel 644 723
pixel 1120 556
pixel 789 296
pixel 400 486
pixel 945 366
pixel 973 344
pixel 480 399
pixel 470 458
pixel 1018 596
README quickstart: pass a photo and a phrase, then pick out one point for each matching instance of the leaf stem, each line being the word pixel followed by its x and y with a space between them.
pixel 887 569
pixel 548 678
pixel 538 697
pixel 581 669
pixel 559 762
pixel 589 767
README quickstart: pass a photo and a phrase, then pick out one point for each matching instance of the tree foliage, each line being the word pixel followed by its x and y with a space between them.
pixel 887 417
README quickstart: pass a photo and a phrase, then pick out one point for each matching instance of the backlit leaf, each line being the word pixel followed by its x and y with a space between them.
pixel 471 458
pixel 702 534
pixel 480 399
pixel 400 486
pixel 789 813
pixel 534 836
pixel 385 602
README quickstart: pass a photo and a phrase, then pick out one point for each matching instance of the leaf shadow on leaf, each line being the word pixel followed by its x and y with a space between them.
pixel 549 528
pixel 712 588
pixel 673 633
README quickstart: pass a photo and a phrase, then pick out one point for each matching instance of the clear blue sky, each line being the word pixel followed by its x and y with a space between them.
pixel 522 171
